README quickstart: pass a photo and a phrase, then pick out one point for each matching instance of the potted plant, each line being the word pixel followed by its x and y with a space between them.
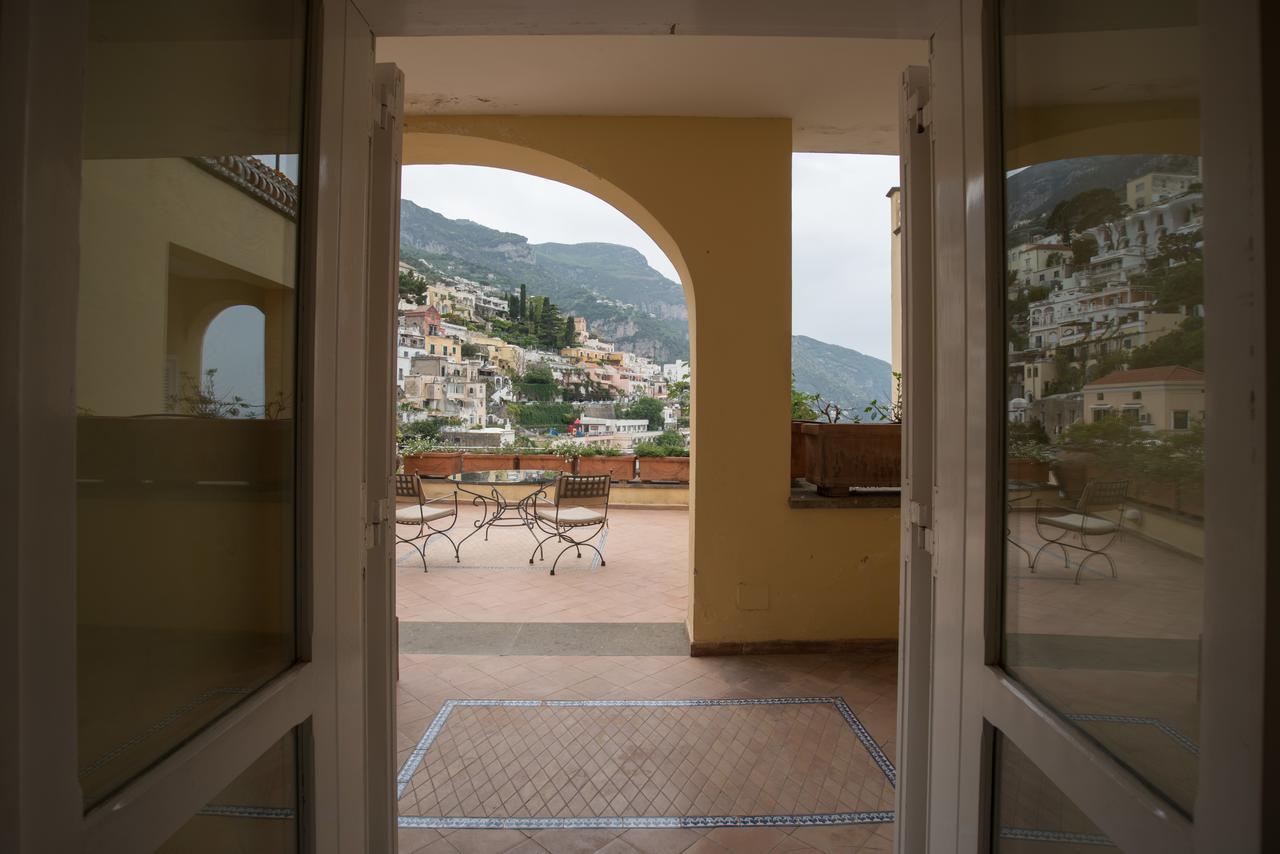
pixel 606 459
pixel 428 458
pixel 840 455
pixel 486 459
pixel 664 459
pixel 557 456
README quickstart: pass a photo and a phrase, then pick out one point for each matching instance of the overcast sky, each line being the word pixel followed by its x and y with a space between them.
pixel 840 232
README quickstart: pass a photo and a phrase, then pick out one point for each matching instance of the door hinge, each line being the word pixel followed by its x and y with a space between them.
pixel 921 519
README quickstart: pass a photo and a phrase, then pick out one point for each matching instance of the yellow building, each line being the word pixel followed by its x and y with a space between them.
pixel 501 354
pixel 1164 398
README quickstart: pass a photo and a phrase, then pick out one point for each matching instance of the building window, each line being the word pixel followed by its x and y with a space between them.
pixel 1181 419
pixel 1137 395
pixel 1099 396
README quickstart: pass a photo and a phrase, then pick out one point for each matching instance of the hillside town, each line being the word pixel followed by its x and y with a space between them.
pixel 477 367
pixel 1105 309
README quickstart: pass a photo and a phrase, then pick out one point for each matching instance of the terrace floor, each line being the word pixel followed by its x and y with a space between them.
pixel 645 578
pixel 512 715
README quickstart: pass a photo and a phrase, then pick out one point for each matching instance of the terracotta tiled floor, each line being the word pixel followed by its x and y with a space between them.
pixel 866 681
pixel 645 580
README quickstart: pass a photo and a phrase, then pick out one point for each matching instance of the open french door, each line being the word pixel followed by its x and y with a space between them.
pixel 915 228
pixel 381 634
pixel 191 266
pixel 1096 677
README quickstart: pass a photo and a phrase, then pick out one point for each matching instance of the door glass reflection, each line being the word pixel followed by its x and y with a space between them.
pixel 1033 816
pixel 1105 383
pixel 256 814
pixel 184 336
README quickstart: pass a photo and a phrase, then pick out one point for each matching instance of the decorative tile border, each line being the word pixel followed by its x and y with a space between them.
pixel 243 811
pixel 647 822
pixel 167 720
pixel 1033 835
pixel 414 761
pixel 1183 741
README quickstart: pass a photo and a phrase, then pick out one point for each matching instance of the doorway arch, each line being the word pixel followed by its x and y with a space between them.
pixel 715 195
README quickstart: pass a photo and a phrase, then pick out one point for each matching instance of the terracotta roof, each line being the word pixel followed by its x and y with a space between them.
pixel 1168 373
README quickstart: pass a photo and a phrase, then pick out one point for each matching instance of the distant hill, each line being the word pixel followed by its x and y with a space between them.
pixel 623 299
pixel 1032 193
pixel 839 374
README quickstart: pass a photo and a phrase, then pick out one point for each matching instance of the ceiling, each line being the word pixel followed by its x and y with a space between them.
pixel 841 93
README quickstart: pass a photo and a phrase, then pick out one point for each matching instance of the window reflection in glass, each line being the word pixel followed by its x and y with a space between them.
pixel 256 814
pixel 184 336
pixel 1105 379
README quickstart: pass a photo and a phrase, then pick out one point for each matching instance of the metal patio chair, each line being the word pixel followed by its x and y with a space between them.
pixel 1083 527
pixel 426 514
pixel 579 514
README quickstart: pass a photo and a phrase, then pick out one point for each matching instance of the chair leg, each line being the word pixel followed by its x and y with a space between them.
pixel 422 552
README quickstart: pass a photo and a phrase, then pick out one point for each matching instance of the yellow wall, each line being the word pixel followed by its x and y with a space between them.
pixel 715 195
pixel 132 212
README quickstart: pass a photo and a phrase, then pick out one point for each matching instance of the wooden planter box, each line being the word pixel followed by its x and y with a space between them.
pixel 841 456
pixel 797 449
pixel 1033 471
pixel 433 463
pixel 546 462
pixel 674 469
pixel 488 462
pixel 618 468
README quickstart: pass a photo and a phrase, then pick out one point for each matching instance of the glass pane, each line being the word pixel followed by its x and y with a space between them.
pixel 185 335
pixel 256 814
pixel 1032 815
pixel 1105 390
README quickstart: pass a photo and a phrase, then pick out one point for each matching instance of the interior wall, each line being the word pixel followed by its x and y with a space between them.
pixel 715 195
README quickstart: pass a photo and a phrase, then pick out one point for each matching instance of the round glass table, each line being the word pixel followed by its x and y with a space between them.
pixel 499 510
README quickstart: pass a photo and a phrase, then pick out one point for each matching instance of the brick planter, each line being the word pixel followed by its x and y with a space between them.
pixel 546 462
pixel 1033 471
pixel 841 456
pixel 668 469
pixel 433 463
pixel 488 462
pixel 618 468
pixel 797 450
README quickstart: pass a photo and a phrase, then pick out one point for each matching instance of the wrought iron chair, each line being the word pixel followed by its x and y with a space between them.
pixel 581 505
pixel 426 514
pixel 1093 532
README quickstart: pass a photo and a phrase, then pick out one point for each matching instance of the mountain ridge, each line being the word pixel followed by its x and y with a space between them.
pixel 623 299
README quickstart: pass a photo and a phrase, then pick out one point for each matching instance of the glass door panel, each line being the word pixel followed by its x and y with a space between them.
pixel 1105 377
pixel 256 814
pixel 185 338
pixel 1033 815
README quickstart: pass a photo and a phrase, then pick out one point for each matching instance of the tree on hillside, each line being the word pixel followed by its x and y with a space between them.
pixel 1083 248
pixel 524 301
pixel 569 337
pixel 1183 346
pixel 1084 210
pixel 648 408
pixel 412 288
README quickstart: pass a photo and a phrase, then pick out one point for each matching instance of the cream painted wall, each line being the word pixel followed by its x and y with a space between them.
pixel 132 211
pixel 715 194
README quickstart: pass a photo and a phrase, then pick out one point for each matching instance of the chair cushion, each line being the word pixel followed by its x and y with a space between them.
pixel 1079 523
pixel 413 514
pixel 571 517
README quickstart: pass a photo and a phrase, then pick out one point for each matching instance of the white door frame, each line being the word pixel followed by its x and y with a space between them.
pixel 972 696
pixel 381 641
pixel 40 803
pixel 915 598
